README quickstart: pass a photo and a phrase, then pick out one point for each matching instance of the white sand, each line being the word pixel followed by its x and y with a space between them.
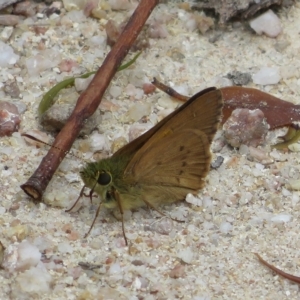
pixel 212 252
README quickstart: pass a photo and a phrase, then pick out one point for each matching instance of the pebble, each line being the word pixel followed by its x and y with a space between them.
pixel 137 130
pixel 99 142
pixel 9 118
pixel 25 8
pixel 120 4
pixel 21 256
pixel 64 247
pixel 35 280
pixel 190 198
pixel 177 271
pixel 267 23
pixel 57 115
pixel 12 89
pixel 281 218
pixel 267 75
pixel 259 155
pixel 186 255
pixel 8 56
pixel 137 111
pixel 225 227
pixel 247 127
pixel 6 32
pixel 9 20
pixel 44 60
pixel 82 83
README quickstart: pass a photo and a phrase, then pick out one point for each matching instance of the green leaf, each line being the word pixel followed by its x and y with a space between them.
pixel 49 98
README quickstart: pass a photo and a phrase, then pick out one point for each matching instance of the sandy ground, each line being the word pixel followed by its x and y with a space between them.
pixel 239 212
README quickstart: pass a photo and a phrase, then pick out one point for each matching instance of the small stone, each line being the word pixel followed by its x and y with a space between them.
pixel 44 60
pixel 137 130
pixel 57 115
pixel 177 271
pixel 259 155
pixel 25 8
pixel 186 255
pixel 9 118
pixel 246 197
pixel 115 268
pixel 81 84
pixel 35 281
pixel 247 127
pixel 281 218
pixel 148 88
pixel 120 4
pixel 7 57
pixel 190 198
pixel 99 142
pixel 294 184
pixel 66 65
pixel 6 33
pixel 267 76
pixel 21 257
pixel 225 227
pixel 115 91
pixel 9 20
pixel 215 164
pixel 12 89
pixel 117 144
pixel 239 78
pixel 267 23
pixel 20 232
pixel 113 32
pixel 65 247
pixel 137 112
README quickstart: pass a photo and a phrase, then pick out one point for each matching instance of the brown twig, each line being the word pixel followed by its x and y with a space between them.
pixel 88 102
pixel 278 271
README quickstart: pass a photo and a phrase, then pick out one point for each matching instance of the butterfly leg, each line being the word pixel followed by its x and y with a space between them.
pixel 160 212
pixel 96 216
pixel 80 195
pixel 117 197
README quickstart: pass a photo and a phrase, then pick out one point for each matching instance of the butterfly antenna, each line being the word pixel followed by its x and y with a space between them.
pixel 38 140
pixel 160 212
pixel 117 197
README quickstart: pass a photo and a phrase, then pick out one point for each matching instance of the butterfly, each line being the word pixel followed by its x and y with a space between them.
pixel 164 164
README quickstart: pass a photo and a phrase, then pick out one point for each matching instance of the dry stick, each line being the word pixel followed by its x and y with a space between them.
pixel 169 91
pixel 88 102
pixel 278 271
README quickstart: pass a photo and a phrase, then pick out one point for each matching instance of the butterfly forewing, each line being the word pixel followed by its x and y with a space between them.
pixel 178 154
pixel 132 147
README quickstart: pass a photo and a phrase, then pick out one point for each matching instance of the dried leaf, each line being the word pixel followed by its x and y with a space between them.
pixel 279 113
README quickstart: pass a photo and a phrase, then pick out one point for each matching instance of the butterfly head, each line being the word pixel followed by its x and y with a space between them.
pixel 100 177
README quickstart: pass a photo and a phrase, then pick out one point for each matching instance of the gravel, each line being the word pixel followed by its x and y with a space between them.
pixel 246 206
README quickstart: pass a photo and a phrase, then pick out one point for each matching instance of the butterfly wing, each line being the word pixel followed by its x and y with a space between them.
pixel 178 153
pixel 132 147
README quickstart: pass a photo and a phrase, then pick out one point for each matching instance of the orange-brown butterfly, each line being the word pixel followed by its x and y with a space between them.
pixel 162 165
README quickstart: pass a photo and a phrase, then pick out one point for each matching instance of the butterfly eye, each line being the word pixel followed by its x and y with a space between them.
pixel 104 178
